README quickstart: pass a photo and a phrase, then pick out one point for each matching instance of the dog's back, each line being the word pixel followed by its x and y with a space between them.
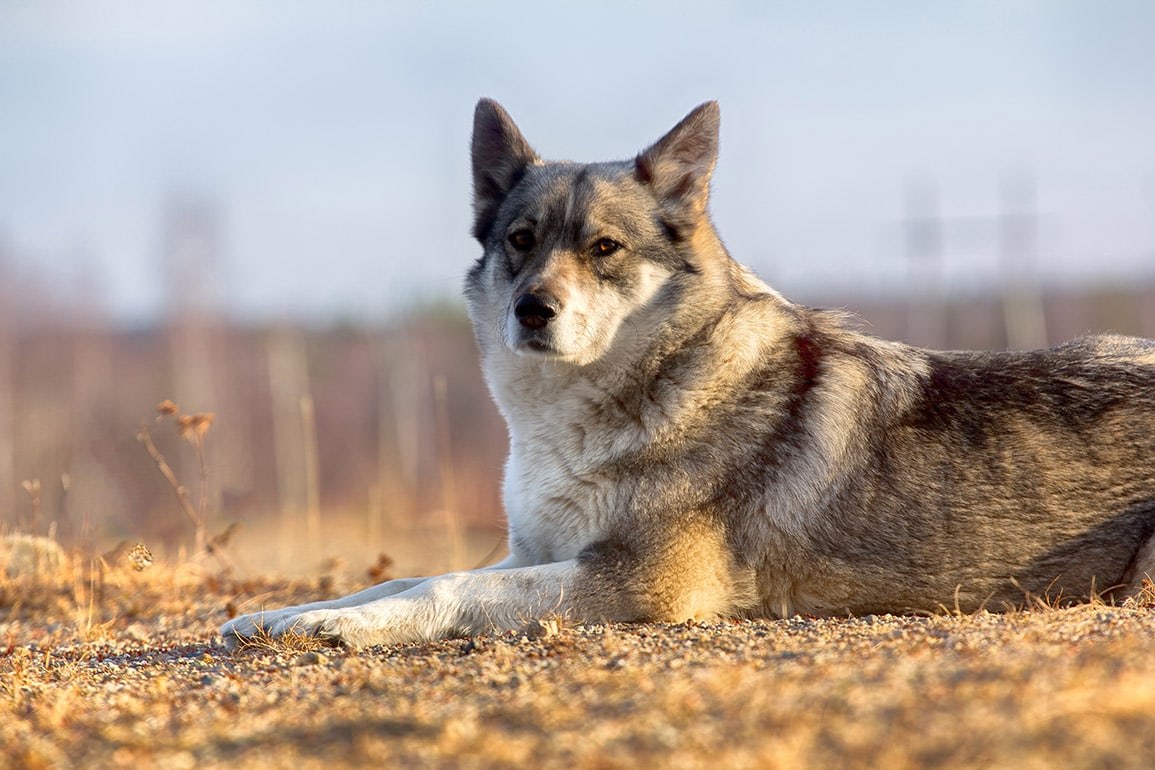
pixel 982 479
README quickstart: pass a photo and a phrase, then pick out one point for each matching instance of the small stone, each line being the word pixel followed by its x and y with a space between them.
pixel 310 658
pixel 472 645
pixel 136 632
pixel 539 629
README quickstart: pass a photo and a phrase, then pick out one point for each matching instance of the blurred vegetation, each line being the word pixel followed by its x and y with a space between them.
pixel 385 433
pixel 305 421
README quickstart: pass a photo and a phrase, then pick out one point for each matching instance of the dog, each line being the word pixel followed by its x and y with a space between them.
pixel 685 443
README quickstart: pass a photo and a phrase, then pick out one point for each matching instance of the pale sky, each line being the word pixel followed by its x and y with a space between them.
pixel 332 138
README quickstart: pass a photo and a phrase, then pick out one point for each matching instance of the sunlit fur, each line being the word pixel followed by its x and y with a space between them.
pixel 686 443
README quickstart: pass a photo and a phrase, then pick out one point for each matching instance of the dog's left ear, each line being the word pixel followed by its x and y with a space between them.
pixel 500 157
pixel 678 166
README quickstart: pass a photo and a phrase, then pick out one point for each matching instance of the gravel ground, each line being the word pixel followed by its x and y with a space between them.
pixel 129 673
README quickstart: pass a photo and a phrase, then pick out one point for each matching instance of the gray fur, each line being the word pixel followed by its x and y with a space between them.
pixel 686 443
pixel 849 474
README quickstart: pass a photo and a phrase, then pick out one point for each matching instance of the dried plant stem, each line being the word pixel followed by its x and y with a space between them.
pixel 202 504
pixel 195 515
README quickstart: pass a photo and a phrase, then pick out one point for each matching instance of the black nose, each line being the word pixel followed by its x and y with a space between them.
pixel 534 310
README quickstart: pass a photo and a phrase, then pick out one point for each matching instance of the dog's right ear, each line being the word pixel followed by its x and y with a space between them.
pixel 500 157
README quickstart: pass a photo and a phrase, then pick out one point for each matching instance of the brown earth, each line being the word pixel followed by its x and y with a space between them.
pixel 124 670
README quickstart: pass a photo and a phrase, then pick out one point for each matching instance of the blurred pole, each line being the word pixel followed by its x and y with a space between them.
pixel 7 426
pixel 94 389
pixel 190 254
pixel 7 397
pixel 288 385
pixel 1147 312
pixel 923 246
pixel 1147 299
pixel 312 476
pixel 406 377
pixel 376 512
pixel 1023 310
pixel 398 431
pixel 447 473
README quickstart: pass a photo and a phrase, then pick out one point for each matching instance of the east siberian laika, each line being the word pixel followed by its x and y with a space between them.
pixel 686 443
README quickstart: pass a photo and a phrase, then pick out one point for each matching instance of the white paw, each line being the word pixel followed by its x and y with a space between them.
pixel 348 627
pixel 256 625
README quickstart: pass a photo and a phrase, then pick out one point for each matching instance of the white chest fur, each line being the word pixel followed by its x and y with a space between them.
pixel 561 491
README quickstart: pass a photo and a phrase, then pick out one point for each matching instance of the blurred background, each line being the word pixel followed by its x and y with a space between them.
pixel 260 210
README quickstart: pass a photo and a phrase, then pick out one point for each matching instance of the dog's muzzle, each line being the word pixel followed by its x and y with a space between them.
pixel 535 309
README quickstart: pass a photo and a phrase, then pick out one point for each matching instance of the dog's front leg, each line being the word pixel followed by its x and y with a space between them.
pixel 682 574
pixel 271 622
pixel 456 604
pixel 261 623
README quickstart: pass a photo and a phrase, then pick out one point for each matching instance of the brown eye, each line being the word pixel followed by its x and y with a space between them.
pixel 603 247
pixel 522 240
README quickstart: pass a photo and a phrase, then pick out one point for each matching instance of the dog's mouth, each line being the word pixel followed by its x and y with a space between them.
pixel 536 346
pixel 535 342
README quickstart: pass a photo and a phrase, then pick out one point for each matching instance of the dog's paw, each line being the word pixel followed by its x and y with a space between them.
pixel 385 621
pixel 345 627
pixel 259 625
pixel 349 628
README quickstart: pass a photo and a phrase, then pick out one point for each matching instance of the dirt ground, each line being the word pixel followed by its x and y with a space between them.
pixel 124 670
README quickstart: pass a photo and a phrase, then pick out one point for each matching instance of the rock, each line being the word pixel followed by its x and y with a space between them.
pixel 539 629
pixel 310 658
pixel 30 555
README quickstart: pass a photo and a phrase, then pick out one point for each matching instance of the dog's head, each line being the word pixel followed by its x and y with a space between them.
pixel 576 253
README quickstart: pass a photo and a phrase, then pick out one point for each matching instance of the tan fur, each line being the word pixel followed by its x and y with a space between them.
pixel 687 443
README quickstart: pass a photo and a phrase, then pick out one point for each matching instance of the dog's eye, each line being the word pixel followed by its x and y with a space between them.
pixel 603 247
pixel 522 240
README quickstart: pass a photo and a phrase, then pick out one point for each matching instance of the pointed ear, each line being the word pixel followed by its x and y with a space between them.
pixel 678 166
pixel 500 157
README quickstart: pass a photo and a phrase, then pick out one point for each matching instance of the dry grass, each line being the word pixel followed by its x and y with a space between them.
pixel 122 668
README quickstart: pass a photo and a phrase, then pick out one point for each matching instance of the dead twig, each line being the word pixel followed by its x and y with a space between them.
pixel 181 492
pixel 193 428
